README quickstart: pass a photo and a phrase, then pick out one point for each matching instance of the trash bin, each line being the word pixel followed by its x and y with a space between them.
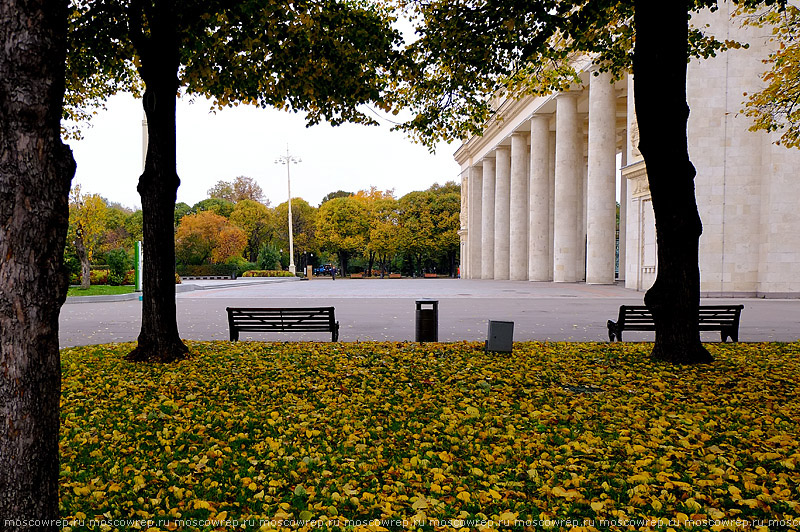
pixel 501 337
pixel 427 320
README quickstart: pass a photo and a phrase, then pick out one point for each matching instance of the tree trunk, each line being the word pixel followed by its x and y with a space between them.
pixel 159 340
pixel 659 69
pixel 83 256
pixel 35 174
pixel 371 263
pixel 344 260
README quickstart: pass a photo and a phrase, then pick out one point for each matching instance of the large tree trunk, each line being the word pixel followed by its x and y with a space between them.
pixel 35 174
pixel 159 340
pixel 659 69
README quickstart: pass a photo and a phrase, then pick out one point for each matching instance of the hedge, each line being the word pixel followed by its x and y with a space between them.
pixel 207 270
pixel 100 277
pixel 267 273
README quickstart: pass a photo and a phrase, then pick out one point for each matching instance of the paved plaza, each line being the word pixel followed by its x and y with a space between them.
pixel 379 310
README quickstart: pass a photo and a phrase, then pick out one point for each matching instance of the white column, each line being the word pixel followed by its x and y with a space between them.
pixel 601 191
pixel 569 158
pixel 580 238
pixel 539 238
pixel 551 178
pixel 502 206
pixel 487 220
pixel 623 215
pixel 519 215
pixel 474 222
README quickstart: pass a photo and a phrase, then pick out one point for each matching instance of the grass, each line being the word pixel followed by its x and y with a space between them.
pixel 99 290
pixel 309 436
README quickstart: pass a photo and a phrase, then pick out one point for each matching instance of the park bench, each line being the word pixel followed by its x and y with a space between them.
pixel 308 319
pixel 722 318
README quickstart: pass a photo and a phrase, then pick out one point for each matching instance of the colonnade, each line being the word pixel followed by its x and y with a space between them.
pixel 542 201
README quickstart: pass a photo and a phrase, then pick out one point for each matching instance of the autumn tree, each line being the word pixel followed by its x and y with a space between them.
pixel 35 174
pixel 371 198
pixel 777 106
pixel 470 52
pixel 255 219
pixel 87 219
pixel 261 52
pixel 304 226
pixel 208 237
pixel 416 234
pixel 384 239
pixel 242 188
pixel 342 228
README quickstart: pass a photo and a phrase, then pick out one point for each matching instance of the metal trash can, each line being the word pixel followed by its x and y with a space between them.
pixel 501 337
pixel 427 320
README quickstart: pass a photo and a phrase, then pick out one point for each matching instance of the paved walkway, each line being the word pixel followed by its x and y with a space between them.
pixel 374 309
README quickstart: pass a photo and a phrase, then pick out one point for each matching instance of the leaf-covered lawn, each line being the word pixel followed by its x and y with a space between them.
pixel 242 436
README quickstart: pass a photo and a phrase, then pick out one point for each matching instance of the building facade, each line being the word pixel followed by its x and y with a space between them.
pixel 541 185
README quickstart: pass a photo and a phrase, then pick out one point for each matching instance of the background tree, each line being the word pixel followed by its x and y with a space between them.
pixel 230 244
pixel 445 212
pixel 263 52
pixel 255 219
pixel 35 174
pixel 416 235
pixel 342 228
pixel 338 194
pixel 470 52
pixel 777 106
pixel 87 224
pixel 304 220
pixel 242 188
pixel 199 235
pixel 181 210
pixel 384 240
pixel 371 198
pixel 218 206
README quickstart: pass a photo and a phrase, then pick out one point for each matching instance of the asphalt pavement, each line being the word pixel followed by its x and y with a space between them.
pixel 385 310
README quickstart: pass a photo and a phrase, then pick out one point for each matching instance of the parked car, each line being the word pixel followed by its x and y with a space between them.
pixel 325 269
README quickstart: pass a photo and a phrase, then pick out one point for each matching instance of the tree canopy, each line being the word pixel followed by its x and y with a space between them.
pixel 241 188
pixel 777 106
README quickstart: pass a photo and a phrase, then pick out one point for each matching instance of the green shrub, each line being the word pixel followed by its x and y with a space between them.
pixel 119 262
pixel 268 257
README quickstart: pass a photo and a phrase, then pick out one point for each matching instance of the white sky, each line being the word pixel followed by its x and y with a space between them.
pixel 246 141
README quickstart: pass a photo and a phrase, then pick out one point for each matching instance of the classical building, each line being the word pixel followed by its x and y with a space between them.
pixel 541 185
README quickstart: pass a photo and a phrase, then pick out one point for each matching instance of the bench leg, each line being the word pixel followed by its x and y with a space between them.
pixel 234 334
pixel 611 330
pixel 335 333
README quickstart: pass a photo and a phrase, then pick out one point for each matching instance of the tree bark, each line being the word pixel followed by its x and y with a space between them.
pixel 35 174
pixel 659 70
pixel 159 340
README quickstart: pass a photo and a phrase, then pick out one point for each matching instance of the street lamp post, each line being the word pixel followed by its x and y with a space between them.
pixel 288 160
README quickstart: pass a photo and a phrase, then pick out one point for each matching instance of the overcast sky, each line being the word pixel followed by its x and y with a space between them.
pixel 246 141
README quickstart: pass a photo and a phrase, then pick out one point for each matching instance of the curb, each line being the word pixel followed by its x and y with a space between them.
pixel 179 289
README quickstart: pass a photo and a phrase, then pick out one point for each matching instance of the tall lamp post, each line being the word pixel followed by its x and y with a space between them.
pixel 288 160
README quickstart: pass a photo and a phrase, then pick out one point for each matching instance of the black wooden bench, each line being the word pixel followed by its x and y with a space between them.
pixel 307 319
pixel 722 318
